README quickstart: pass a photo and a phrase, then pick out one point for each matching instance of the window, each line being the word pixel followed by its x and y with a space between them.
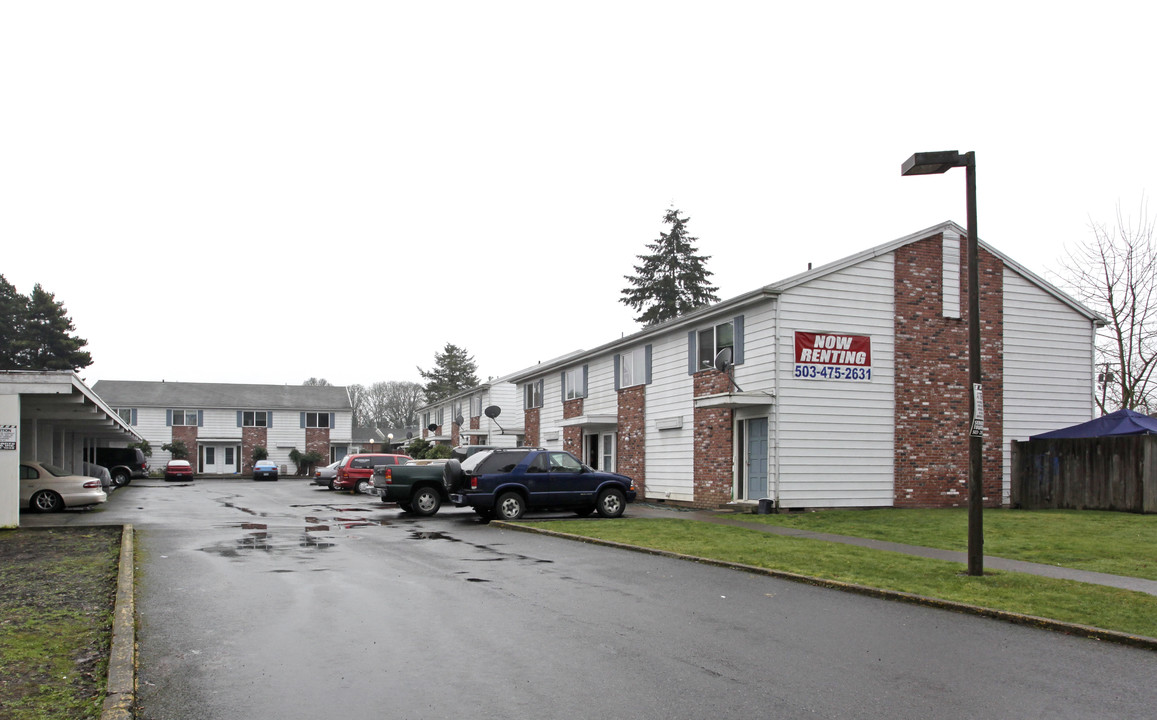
pixel 184 417
pixel 317 419
pixel 532 395
pixel 564 462
pixel 426 420
pixel 254 418
pixel 574 383
pixel 632 368
pixel 127 414
pixel 440 417
pixel 457 411
pixel 714 339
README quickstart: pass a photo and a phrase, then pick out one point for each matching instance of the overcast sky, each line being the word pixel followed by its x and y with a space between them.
pixel 262 192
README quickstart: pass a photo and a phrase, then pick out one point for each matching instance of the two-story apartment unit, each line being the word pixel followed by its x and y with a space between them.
pixel 489 414
pixel 222 423
pixel 846 385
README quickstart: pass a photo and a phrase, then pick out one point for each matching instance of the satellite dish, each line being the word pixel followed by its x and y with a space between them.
pixel 409 434
pixel 493 412
pixel 458 420
pixel 723 360
pixel 432 427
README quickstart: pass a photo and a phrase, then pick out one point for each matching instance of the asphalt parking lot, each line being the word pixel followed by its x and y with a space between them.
pixel 287 600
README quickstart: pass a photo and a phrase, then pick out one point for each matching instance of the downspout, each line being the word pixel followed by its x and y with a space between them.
pixel 775 407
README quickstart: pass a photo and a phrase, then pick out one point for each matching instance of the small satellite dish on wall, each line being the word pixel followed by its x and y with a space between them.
pixel 458 420
pixel 432 427
pixel 493 412
pixel 723 360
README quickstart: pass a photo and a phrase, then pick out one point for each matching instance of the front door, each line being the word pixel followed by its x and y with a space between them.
pixel 218 460
pixel 755 458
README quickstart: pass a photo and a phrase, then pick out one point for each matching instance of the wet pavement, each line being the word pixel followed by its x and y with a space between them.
pixel 286 600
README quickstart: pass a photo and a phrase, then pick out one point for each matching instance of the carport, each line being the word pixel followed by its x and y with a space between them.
pixel 49 416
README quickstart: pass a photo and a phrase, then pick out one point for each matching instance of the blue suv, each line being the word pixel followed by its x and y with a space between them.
pixel 506 483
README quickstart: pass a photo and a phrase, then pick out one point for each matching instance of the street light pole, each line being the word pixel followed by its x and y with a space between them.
pixel 931 163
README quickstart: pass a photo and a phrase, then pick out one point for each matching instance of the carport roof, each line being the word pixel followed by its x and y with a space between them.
pixel 60 398
pixel 143 393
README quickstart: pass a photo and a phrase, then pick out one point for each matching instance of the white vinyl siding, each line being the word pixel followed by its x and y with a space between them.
pixel 1048 365
pixel 835 439
pixel 670 454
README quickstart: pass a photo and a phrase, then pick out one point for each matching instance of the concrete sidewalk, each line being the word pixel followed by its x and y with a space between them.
pixel 723 517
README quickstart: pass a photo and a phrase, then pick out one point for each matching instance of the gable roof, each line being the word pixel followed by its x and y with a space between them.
pixel 140 393
pixel 779 287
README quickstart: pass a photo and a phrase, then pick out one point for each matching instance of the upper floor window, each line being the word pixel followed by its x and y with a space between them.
pixel 318 420
pixel 184 417
pixel 129 415
pixel 532 395
pixel 255 418
pixel 703 346
pixel 633 367
pixel 440 417
pixel 714 339
pixel 574 383
pixel 476 406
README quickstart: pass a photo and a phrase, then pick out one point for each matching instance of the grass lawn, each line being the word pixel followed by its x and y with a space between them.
pixel 57 590
pixel 1108 542
pixel 1098 606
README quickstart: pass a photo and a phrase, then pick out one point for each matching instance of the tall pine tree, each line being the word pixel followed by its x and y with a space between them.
pixel 47 340
pixel 673 279
pixel 13 308
pixel 453 372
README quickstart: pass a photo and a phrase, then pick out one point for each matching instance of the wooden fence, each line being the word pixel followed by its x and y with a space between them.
pixel 1109 473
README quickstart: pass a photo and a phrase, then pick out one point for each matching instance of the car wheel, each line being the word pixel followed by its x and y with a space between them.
pixel 584 512
pixel 362 487
pixel 332 486
pixel 426 501
pixel 611 503
pixel 452 476
pixel 120 477
pixel 46 501
pixel 510 506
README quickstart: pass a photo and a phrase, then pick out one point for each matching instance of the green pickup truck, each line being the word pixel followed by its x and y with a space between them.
pixel 416 486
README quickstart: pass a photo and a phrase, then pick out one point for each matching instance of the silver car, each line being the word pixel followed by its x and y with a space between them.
pixel 324 475
pixel 47 488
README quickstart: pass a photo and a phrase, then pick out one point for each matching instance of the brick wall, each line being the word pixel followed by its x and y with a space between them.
pixel 572 436
pixel 931 385
pixel 251 437
pixel 317 440
pixel 631 440
pixel 714 444
pixel 188 435
pixel 530 439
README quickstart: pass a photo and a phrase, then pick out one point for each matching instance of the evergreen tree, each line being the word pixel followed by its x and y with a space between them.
pixel 13 308
pixel 47 328
pixel 453 372
pixel 672 280
pixel 35 332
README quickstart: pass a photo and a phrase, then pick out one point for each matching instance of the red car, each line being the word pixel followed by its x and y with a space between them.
pixel 178 470
pixel 356 472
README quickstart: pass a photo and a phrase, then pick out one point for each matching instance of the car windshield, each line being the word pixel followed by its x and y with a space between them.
pixel 179 463
pixel 57 471
pixel 265 463
pixel 472 462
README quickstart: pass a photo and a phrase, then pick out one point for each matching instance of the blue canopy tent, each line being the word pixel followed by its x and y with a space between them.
pixel 1122 422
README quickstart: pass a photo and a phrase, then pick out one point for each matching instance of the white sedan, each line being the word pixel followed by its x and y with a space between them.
pixel 47 488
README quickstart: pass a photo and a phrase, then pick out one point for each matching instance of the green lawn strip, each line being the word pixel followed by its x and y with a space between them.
pixel 1108 542
pixel 40 650
pixel 1064 600
pixel 57 589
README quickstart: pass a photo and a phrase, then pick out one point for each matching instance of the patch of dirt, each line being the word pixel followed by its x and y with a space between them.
pixel 47 575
